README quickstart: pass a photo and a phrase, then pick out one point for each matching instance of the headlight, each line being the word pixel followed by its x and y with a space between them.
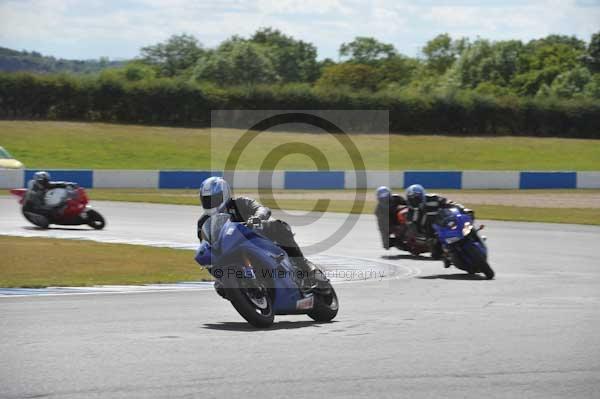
pixel 467 228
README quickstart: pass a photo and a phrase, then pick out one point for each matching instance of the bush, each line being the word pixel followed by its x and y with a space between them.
pixel 177 102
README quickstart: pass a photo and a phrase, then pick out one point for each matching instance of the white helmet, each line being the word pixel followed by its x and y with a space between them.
pixel 214 192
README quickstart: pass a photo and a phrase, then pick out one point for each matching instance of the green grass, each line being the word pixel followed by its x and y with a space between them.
pixel 44 262
pixel 111 146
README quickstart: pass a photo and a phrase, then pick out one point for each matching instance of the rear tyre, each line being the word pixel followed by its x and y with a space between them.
pixel 95 220
pixel 253 304
pixel 326 306
pixel 37 219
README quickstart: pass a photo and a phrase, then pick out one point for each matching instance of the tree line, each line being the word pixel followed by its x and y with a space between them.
pixel 548 86
pixel 32 61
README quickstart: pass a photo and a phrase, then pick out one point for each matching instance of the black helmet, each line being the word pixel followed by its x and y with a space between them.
pixel 415 195
pixel 42 178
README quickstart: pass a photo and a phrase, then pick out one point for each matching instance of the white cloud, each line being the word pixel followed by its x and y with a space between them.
pixel 75 29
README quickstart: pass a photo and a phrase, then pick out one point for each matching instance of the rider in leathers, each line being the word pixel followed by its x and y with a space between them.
pixel 215 196
pixel 424 209
pixel 37 188
pixel 387 206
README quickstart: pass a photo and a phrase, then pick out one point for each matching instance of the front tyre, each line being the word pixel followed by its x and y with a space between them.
pixel 95 220
pixel 326 306
pixel 479 261
pixel 254 304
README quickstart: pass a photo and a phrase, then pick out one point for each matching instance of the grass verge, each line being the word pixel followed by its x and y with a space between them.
pixel 484 211
pixel 46 262
pixel 295 200
pixel 112 146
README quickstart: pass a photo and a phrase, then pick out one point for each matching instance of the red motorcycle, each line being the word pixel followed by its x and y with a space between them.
pixel 71 206
pixel 405 237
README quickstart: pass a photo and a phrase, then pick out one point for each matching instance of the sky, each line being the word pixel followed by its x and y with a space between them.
pixel 117 29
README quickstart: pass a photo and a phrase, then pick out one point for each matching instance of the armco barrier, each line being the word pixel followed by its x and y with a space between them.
pixel 306 180
pixel 311 180
pixel 85 178
pixel 548 180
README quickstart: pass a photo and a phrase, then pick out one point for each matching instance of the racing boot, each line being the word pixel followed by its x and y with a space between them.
pixel 436 250
pixel 220 289
pixel 447 262
pixel 312 278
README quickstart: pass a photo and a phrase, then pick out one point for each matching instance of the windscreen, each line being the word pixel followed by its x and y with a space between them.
pixel 213 226
pixel 447 217
pixel 4 154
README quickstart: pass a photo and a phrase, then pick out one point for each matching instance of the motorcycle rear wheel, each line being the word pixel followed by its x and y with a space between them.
pixel 37 219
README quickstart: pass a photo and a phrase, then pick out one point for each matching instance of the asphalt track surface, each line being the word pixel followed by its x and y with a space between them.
pixel 421 332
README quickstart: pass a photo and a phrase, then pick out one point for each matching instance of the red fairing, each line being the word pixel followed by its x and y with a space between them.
pixel 77 204
pixel 73 207
pixel 19 192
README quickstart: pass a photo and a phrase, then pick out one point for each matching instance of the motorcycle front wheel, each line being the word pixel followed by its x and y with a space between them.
pixel 95 220
pixel 254 304
pixel 479 261
pixel 326 306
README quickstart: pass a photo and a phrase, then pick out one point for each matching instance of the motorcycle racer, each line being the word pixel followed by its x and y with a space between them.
pixel 216 197
pixel 36 193
pixel 424 209
pixel 385 211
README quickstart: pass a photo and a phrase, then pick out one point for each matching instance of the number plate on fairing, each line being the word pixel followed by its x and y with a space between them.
pixel 305 303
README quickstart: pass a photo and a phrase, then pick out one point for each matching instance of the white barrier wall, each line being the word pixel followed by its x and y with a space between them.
pixel 588 179
pixel 10 178
pixel 490 179
pixel 306 180
pixel 376 178
pixel 250 179
pixel 125 179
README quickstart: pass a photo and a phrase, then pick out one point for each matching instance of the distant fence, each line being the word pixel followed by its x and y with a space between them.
pixel 312 180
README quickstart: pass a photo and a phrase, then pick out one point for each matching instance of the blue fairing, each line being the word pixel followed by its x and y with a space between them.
pixel 204 254
pixel 233 242
pixel 449 228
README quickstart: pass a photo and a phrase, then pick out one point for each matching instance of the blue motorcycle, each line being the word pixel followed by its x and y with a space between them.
pixel 257 276
pixel 461 242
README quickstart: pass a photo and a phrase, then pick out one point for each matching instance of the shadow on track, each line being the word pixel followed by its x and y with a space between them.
pixel 281 325
pixel 455 276
pixel 35 228
pixel 409 256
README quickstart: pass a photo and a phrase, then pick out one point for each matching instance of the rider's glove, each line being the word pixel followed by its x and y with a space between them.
pixel 254 222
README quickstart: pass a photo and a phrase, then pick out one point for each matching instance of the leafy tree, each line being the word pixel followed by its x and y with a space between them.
pixel 592 57
pixel 175 55
pixel 236 62
pixel 441 52
pixel 485 61
pixel 552 40
pixel 355 76
pixel 135 71
pixel 572 83
pixel 293 60
pixel 544 59
pixel 592 89
pixel 366 50
pixel 398 70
